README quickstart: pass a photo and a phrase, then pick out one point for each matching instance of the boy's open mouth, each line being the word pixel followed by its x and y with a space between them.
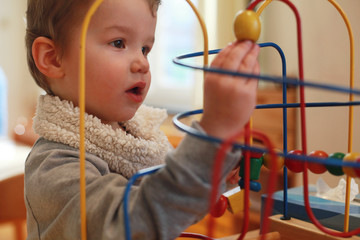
pixel 136 91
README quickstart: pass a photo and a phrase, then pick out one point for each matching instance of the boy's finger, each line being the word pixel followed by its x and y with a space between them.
pixel 254 81
pixel 222 55
pixel 235 58
pixel 250 59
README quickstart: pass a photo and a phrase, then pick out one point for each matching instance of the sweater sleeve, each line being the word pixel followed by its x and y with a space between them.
pixel 161 206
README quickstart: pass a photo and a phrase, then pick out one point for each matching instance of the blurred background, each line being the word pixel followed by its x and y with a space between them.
pixel 326 60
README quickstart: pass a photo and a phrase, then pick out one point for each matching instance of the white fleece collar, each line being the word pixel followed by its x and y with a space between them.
pixel 141 146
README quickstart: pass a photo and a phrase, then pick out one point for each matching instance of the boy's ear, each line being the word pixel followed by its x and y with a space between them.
pixel 46 57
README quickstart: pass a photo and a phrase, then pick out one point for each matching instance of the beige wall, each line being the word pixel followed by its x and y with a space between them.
pixel 22 91
pixel 218 16
pixel 326 60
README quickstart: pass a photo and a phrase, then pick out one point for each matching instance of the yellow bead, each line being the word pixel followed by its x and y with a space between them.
pixel 350 157
pixel 247 26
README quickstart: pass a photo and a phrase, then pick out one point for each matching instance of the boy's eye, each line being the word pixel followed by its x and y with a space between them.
pixel 118 43
pixel 145 50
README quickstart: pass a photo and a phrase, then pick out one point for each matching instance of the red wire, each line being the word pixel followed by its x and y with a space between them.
pixel 303 131
pixel 302 90
pixel 245 225
pixel 220 155
pixel 316 222
pixel 271 182
pixel 301 71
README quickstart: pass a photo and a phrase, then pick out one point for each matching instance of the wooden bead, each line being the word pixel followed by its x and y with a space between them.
pixel 247 26
pixel 294 165
pixel 336 170
pixel 317 168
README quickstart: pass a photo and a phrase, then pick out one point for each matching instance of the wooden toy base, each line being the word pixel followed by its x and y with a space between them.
pixel 293 229
pixel 254 235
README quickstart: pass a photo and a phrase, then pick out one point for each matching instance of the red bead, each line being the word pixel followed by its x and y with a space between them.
pixel 357 170
pixel 256 154
pixel 294 165
pixel 220 207
pixel 317 167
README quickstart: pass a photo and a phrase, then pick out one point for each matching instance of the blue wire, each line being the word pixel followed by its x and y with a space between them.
pixel 282 80
pixel 285 139
pixel 193 132
pixel 137 175
pixel 314 104
pixel 285 126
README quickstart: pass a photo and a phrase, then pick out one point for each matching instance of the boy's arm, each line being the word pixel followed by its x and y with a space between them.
pixel 161 207
pixel 179 194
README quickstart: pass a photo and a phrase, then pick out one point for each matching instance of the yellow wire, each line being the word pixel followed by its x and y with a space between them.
pixel 84 30
pixel 82 64
pixel 258 13
pixel 351 109
pixel 262 7
pixel 204 30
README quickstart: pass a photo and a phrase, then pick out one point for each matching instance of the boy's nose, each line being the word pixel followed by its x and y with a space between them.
pixel 140 64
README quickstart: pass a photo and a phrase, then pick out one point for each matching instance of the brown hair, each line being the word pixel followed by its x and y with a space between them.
pixel 53 19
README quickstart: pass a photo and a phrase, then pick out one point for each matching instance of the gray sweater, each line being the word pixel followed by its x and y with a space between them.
pixel 161 206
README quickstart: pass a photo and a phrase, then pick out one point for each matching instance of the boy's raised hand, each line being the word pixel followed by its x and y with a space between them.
pixel 229 101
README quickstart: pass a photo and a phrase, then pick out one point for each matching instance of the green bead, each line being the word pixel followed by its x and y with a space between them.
pixel 255 166
pixel 336 170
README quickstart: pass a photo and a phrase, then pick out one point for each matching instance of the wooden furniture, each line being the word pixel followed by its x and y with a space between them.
pixel 270 122
pixel 293 229
pixel 254 235
pixel 227 225
pixel 12 205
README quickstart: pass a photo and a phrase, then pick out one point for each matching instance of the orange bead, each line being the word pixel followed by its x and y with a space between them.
pixel 279 160
pixel 350 157
pixel 317 167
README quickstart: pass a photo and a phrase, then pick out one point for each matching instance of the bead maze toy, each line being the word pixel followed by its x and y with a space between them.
pixel 247 26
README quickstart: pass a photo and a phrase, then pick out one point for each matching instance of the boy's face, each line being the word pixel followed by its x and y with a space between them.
pixel 120 36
